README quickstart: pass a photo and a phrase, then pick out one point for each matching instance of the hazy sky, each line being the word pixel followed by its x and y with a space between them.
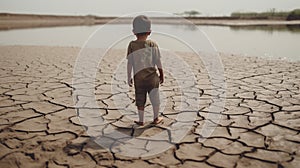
pixel 124 7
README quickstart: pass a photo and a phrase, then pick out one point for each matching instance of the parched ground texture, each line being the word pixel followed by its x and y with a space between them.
pixel 259 125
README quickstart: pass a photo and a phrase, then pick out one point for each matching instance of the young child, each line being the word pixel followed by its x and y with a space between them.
pixel 143 57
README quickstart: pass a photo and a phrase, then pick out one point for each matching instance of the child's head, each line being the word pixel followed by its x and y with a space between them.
pixel 141 25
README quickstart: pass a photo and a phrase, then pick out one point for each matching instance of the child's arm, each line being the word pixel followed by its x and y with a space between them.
pixel 160 70
pixel 158 64
pixel 129 66
pixel 129 69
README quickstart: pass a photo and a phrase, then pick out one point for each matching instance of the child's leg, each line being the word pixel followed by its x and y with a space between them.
pixel 140 98
pixel 154 98
pixel 141 113
pixel 155 111
pixel 156 118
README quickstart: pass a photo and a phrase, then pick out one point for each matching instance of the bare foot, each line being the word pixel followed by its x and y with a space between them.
pixel 157 120
pixel 139 123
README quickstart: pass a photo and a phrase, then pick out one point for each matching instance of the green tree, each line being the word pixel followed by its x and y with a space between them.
pixel 294 15
pixel 191 13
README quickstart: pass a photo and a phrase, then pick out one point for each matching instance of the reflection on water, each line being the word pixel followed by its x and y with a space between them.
pixel 264 41
pixel 268 28
pixel 187 27
pixel 271 43
pixel 54 36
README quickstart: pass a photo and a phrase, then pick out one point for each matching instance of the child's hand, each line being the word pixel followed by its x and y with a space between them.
pixel 161 79
pixel 129 81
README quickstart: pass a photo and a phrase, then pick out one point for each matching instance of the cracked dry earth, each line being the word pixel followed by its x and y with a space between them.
pixel 39 125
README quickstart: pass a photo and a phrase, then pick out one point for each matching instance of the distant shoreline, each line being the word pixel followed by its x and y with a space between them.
pixel 10 21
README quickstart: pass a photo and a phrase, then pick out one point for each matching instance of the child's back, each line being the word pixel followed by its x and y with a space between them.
pixel 143 57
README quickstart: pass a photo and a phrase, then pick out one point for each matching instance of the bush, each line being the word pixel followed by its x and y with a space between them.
pixel 294 15
pixel 271 14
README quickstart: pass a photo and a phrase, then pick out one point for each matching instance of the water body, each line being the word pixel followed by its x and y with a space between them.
pixel 269 42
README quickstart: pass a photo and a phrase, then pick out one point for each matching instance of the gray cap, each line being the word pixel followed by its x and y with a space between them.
pixel 141 24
